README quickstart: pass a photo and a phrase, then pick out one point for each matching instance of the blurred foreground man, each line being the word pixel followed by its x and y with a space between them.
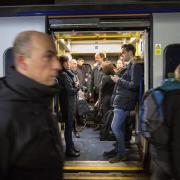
pixel 30 144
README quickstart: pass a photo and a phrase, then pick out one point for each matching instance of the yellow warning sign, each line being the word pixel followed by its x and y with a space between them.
pixel 158 49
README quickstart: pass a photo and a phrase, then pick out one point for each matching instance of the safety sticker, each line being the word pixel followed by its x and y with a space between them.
pixel 158 49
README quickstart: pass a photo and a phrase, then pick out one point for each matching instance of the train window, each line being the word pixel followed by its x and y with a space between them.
pixel 171 59
pixel 8 60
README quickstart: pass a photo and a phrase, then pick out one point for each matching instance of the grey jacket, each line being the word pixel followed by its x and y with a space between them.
pixel 96 77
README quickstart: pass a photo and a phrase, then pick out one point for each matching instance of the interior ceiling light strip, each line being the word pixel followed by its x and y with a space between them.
pixel 95 37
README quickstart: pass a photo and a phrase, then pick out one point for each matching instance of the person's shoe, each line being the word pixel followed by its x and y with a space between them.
pixel 77 135
pixel 109 154
pixel 118 158
pixel 72 153
pixel 76 149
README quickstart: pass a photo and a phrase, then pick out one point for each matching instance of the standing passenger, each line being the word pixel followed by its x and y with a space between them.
pixel 96 76
pixel 107 86
pixel 120 67
pixel 73 68
pixel 124 99
pixel 30 144
pixel 67 98
pixel 80 71
pixel 166 157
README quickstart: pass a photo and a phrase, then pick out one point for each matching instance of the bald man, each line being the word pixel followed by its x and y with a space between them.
pixel 30 144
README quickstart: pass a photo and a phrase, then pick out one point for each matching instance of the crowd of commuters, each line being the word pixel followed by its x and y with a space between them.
pixel 30 142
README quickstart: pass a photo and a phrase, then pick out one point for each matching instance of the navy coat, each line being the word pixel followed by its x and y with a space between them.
pixel 68 93
pixel 125 92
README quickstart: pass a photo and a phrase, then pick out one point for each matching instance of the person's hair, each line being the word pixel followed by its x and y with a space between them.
pixel 129 47
pixel 62 60
pixel 108 67
pixel 22 43
pixel 177 72
pixel 102 55
pixel 79 59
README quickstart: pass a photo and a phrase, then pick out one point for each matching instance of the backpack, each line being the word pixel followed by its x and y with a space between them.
pixel 151 115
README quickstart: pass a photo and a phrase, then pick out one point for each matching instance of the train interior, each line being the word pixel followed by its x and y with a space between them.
pixel 83 38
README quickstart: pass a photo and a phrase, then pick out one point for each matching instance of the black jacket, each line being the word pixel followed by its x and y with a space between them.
pixel 125 92
pixel 30 144
pixel 105 93
pixel 67 93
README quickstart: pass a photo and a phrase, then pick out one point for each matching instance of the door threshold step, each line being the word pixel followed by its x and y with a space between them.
pixel 105 176
pixel 102 166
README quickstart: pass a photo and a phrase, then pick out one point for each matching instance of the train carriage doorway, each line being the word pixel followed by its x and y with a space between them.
pixel 72 35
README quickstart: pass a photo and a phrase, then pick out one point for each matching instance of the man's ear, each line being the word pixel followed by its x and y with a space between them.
pixel 131 53
pixel 21 62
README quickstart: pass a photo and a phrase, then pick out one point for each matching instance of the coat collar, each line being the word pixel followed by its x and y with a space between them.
pixel 28 88
pixel 128 66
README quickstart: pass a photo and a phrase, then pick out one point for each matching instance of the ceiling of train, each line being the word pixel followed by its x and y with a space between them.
pixel 124 37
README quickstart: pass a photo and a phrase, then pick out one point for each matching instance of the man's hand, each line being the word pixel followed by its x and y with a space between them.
pixel 115 78
pixel 77 85
pixel 96 104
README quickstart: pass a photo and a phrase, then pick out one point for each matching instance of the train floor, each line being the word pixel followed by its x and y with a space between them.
pixel 92 165
pixel 92 148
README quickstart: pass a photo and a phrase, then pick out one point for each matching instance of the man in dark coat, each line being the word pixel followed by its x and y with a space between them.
pixel 67 98
pixel 124 98
pixel 30 143
pixel 80 71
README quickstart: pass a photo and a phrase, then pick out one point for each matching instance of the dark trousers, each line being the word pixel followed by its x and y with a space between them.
pixel 68 131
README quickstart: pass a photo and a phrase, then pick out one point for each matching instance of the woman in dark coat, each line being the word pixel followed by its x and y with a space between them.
pixel 105 92
pixel 107 86
pixel 67 98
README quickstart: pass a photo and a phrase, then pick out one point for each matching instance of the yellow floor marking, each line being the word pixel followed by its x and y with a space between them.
pixel 97 168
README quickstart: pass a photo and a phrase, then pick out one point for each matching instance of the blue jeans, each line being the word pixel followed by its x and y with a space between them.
pixel 117 127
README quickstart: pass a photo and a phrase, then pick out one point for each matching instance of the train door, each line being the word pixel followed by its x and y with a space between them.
pixel 70 31
pixel 165 45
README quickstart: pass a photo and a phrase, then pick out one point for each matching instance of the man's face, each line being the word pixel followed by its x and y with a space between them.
pixel 98 58
pixel 66 65
pixel 73 65
pixel 42 64
pixel 126 55
pixel 80 62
